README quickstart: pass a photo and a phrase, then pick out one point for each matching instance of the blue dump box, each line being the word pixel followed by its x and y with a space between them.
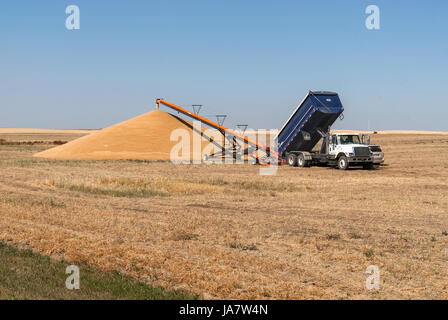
pixel 314 115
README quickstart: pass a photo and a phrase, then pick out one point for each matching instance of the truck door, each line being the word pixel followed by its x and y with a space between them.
pixel 331 144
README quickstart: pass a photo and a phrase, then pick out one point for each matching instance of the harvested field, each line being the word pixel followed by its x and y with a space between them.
pixel 43 132
pixel 28 275
pixel 224 231
pixel 4 142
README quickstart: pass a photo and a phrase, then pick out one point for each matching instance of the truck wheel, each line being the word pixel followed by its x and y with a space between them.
pixel 342 163
pixel 292 160
pixel 301 162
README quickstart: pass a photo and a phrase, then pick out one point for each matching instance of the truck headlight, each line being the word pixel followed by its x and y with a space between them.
pixel 351 154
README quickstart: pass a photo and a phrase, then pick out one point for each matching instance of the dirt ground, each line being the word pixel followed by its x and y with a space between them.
pixel 224 231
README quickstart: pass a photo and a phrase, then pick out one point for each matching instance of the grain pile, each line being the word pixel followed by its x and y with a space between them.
pixel 146 137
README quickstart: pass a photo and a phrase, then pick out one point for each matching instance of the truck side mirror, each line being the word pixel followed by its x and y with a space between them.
pixel 365 139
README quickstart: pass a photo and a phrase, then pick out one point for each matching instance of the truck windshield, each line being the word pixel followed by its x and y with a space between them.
pixel 350 139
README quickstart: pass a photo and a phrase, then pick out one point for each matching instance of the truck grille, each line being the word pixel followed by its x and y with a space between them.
pixel 361 151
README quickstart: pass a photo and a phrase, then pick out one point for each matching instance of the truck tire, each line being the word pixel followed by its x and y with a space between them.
pixel 292 160
pixel 301 162
pixel 343 163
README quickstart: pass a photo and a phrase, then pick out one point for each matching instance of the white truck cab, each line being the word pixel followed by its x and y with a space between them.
pixel 350 149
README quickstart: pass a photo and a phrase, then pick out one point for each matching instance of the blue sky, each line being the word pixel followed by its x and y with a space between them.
pixel 252 60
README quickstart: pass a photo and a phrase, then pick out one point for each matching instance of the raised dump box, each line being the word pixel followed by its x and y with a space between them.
pixel 309 122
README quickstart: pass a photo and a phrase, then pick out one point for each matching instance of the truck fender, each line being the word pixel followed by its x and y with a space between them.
pixel 340 154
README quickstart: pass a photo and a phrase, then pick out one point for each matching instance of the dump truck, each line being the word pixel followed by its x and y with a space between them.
pixel 309 123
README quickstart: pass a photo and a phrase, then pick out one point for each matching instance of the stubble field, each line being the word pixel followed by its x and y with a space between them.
pixel 224 231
